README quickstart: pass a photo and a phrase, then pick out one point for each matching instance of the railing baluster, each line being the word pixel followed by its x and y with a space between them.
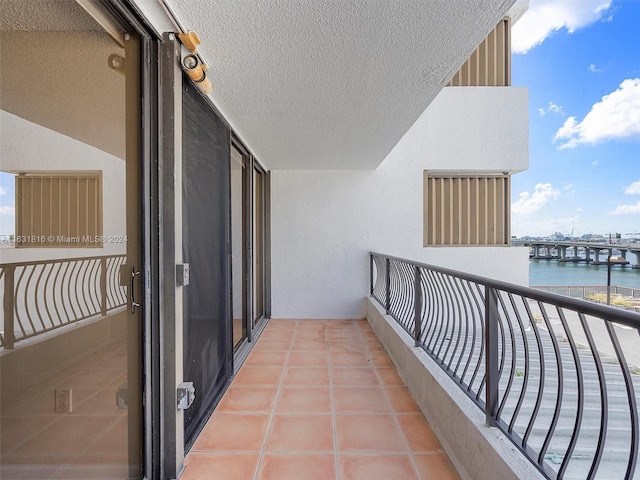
pixel 103 286
pixel 371 274
pixel 9 304
pixel 481 354
pixel 512 371
pixel 541 381
pixel 388 286
pixel 525 382
pixel 604 399
pixel 559 390
pixel 417 318
pixel 491 355
pixel 580 407
pixel 631 398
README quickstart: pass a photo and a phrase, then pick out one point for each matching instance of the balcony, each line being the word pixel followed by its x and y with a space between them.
pixel 317 399
pixel 451 376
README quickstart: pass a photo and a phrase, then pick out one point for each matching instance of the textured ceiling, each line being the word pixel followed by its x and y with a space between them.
pixel 332 84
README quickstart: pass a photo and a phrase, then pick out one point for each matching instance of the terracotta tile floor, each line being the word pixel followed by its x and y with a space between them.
pixel 318 400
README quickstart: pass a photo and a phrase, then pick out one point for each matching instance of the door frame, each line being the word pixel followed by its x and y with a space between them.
pixel 166 302
pixel 245 249
pixel 144 116
pixel 253 329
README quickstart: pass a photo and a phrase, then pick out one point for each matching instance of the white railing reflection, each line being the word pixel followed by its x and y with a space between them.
pixel 44 295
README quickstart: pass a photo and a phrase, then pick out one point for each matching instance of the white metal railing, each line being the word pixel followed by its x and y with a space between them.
pixel 44 295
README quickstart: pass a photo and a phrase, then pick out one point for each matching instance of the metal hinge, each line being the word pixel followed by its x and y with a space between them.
pixel 186 395
pixel 182 274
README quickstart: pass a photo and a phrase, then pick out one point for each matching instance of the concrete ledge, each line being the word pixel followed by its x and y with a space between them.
pixel 477 451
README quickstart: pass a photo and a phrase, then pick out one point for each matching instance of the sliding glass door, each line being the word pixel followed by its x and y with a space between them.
pixel 259 244
pixel 71 327
pixel 208 351
pixel 239 271
pixel 248 243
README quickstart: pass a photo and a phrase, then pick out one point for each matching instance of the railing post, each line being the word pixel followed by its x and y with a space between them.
pixel 103 286
pixel 9 306
pixel 371 274
pixel 387 302
pixel 491 320
pixel 417 308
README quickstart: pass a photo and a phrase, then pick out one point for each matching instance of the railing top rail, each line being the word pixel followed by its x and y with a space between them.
pixel 623 317
pixel 58 260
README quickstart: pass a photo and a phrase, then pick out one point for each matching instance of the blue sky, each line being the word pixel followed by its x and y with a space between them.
pixel 580 60
pixel 7 204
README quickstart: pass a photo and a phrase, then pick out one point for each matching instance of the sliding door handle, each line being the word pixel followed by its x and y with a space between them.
pixel 132 295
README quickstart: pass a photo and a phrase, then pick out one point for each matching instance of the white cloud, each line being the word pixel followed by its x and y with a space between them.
pixel 551 108
pixel 555 108
pixel 529 203
pixel 594 69
pixel 616 116
pixel 608 19
pixel 633 189
pixel 7 210
pixel 594 164
pixel 544 17
pixel 3 191
pixel 626 209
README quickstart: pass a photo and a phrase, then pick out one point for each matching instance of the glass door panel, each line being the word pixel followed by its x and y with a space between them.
pixel 208 351
pixel 70 342
pixel 258 245
pixel 238 242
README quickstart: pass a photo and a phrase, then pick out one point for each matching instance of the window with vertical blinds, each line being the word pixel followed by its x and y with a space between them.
pixel 490 64
pixel 466 210
pixel 62 209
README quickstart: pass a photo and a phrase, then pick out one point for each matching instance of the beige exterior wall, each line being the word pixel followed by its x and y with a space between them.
pixel 466 210
pixel 490 64
pixel 59 210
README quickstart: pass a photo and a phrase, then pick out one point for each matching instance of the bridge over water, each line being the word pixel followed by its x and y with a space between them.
pixel 566 251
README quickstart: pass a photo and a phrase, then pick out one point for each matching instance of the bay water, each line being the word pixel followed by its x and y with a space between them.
pixel 552 272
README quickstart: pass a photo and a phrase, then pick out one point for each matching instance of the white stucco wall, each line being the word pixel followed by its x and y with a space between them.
pixel 324 223
pixel 26 146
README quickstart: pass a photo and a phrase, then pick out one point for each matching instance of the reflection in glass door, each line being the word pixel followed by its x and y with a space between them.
pixel 70 335
pixel 238 242
pixel 259 244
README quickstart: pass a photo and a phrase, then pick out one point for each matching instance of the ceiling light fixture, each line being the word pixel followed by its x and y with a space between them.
pixel 197 72
pixel 193 64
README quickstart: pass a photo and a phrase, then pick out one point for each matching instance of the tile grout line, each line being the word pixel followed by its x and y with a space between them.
pixel 330 367
pixel 395 416
pixel 275 403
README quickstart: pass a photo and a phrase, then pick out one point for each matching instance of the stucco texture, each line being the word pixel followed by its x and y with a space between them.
pixel 324 223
